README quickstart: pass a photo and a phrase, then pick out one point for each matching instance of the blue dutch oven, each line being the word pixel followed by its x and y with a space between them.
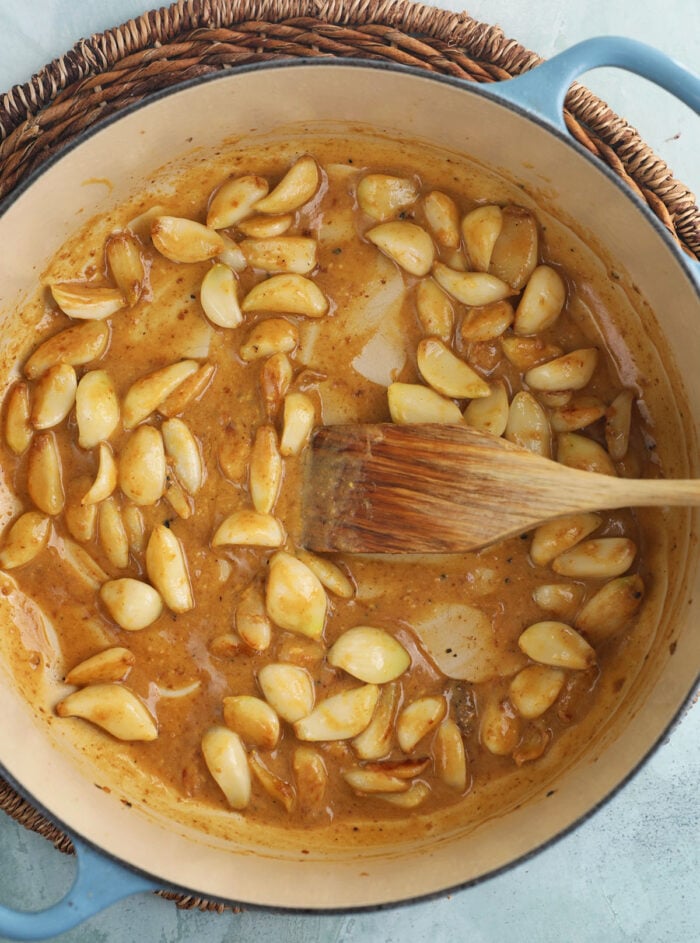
pixel 518 129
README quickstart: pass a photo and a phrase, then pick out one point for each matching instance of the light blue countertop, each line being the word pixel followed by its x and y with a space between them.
pixel 631 872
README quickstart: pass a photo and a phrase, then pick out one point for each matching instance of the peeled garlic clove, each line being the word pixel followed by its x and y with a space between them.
pixel 249 529
pixel 265 227
pixel 382 196
pixel 534 689
pixel 235 199
pixel 367 781
pixel 515 252
pixel 341 716
pixel 186 392
pixel 114 708
pixel 311 777
pixel 182 450
pixel 412 403
pixel 455 260
pixel 297 254
pixel 288 689
pixel 561 599
pixel 179 500
pixel 287 294
pixel 234 453
pixel 147 393
pixel 166 566
pixel 44 475
pixel 80 518
pixel 96 408
pixel 618 419
pixel 275 379
pixel 298 422
pixel 527 352
pixel 295 598
pixel 297 187
pixel 448 374
pixel 376 739
pixel 54 395
pixel 407 768
pixel 406 243
pixel 541 302
pixel 253 720
pixel 450 756
pixel 25 539
pixel 218 296
pixel 583 453
pixel 125 262
pixel 142 468
pixel 528 425
pixel 113 537
pixel 471 288
pixel 417 719
pixel 556 644
pixel 269 337
pixel 105 478
pixel 132 604
pixel 369 654
pixel 265 473
pixel 273 785
pixel 434 309
pixel 141 225
pixel 111 665
pixel 554 537
pixel 415 794
pixel 252 622
pixel 610 608
pixel 490 413
pixel 480 230
pixel 228 645
pixel 231 255
pixel 184 240
pixel 572 371
pixel 554 399
pixel 486 322
pixel 76 346
pixel 18 429
pixel 135 528
pixel 227 762
pixel 82 564
pixel 442 216
pixel 500 728
pixel 332 577
pixel 603 558
pixel 87 302
pixel 577 413
pixel 303 651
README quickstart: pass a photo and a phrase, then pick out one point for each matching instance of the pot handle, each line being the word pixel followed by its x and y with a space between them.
pixel 99 882
pixel 544 88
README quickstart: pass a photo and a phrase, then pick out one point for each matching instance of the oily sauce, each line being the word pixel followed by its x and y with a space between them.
pixel 186 663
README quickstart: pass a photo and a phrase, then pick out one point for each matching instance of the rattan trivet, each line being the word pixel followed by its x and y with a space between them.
pixel 162 48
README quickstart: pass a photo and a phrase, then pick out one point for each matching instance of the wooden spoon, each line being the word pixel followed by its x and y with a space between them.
pixel 439 488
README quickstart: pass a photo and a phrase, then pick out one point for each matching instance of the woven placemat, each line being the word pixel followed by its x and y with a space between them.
pixel 164 47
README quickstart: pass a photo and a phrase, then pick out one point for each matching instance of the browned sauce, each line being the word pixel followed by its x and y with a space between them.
pixel 464 615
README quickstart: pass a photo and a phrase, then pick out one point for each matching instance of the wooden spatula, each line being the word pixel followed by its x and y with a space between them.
pixel 435 488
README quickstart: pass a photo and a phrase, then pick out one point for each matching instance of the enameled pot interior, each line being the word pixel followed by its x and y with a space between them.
pixel 649 279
